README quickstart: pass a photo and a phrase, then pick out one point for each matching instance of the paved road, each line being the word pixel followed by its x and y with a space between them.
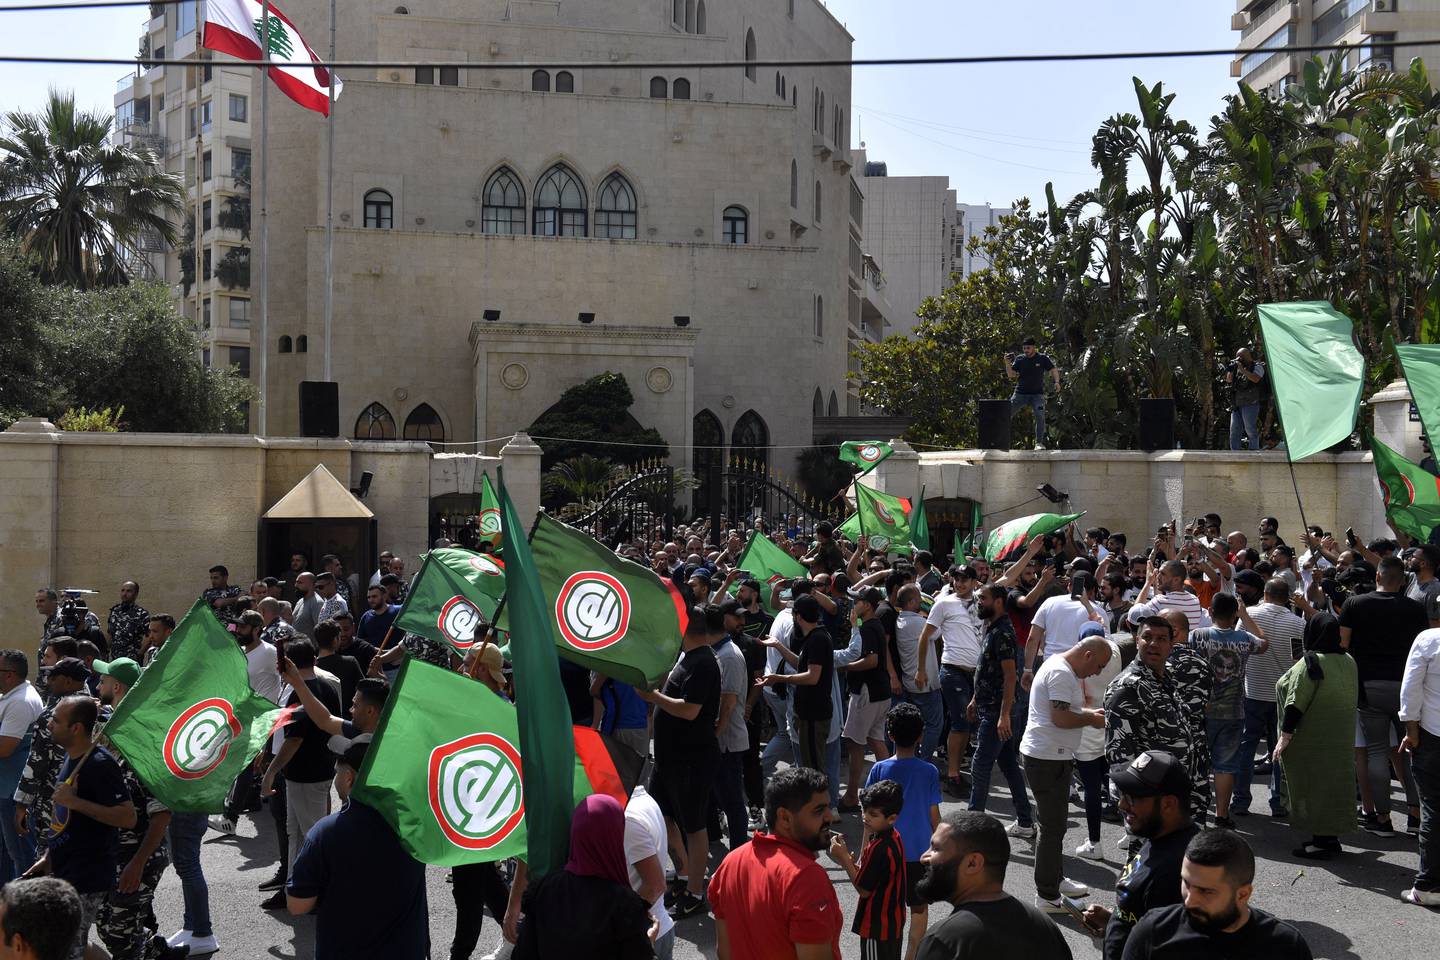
pixel 1347 909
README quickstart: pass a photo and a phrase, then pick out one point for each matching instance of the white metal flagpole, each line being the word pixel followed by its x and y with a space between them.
pixel 263 273
pixel 330 199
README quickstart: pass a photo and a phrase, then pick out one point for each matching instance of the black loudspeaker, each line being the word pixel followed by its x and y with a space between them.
pixel 1157 424
pixel 319 408
pixel 994 417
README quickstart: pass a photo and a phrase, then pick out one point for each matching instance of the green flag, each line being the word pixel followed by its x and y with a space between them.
pixel 191 723
pixel 919 523
pixel 545 734
pixel 959 546
pixel 1420 362
pixel 1016 533
pixel 1316 371
pixel 489 518
pixel 450 781
pixel 454 594
pixel 884 519
pixel 606 613
pixel 768 564
pixel 865 454
pixel 1411 493
pixel 965 549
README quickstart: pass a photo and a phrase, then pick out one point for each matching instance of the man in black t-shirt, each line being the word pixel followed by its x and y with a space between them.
pixel 1028 370
pixel 869 686
pixel 1155 800
pixel 814 669
pixel 1215 918
pixel 687 752
pixel 965 866
pixel 329 659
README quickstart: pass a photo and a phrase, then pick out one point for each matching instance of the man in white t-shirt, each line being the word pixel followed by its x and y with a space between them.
pixel 954 622
pixel 649 861
pixel 20 707
pixel 778 698
pixel 1052 735
pixel 1057 622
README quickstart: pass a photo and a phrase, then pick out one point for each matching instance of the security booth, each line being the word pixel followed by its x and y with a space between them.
pixel 318 516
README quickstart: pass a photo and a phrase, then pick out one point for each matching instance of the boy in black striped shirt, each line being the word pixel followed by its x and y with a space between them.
pixel 880 876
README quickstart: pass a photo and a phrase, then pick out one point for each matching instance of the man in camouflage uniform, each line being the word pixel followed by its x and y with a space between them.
pixel 1145 710
pixel 126 921
pixel 37 781
pixel 277 630
pixel 1193 679
pixel 128 622
pixel 221 596
pixel 47 604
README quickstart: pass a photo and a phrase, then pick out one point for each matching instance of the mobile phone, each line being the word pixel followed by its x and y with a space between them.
pixel 1072 907
pixel 1350 537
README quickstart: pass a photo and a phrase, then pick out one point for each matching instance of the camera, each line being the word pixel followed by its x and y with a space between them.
pixel 72 612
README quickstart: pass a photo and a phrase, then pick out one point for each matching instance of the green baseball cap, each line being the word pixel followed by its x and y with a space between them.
pixel 124 669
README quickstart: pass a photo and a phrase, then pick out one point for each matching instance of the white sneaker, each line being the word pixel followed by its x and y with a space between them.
pixel 1016 830
pixel 1090 850
pixel 202 946
pixel 1050 906
pixel 502 952
pixel 1421 898
pixel 223 825
pixel 1069 888
pixel 180 938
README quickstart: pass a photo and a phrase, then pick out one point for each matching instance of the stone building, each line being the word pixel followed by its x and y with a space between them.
pixel 502 234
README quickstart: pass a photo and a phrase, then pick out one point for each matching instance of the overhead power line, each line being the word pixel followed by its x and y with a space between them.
pixel 680 64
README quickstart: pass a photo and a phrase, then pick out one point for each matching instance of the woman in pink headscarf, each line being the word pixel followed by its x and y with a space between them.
pixel 588 909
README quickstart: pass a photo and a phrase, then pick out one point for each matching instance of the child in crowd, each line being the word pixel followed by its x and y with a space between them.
pixel 880 876
pixel 919 814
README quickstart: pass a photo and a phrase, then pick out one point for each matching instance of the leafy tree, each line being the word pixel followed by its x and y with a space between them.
pixel 820 471
pixel 579 480
pixel 75 200
pixel 24 350
pixel 597 412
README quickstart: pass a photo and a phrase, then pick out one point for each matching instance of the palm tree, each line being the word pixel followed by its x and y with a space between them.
pixel 581 479
pixel 74 201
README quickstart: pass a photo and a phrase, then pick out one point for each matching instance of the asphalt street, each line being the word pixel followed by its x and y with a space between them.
pixel 1347 908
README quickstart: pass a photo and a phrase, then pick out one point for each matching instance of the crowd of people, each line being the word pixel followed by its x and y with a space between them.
pixel 1147 686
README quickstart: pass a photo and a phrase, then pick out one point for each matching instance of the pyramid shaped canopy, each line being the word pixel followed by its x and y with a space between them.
pixel 318 496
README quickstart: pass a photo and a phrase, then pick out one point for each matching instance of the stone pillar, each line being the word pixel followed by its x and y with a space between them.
pixel 1393 426
pixel 899 473
pixel 521 460
pixel 29 512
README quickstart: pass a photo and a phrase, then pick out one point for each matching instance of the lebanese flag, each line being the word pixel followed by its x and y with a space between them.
pixel 235 27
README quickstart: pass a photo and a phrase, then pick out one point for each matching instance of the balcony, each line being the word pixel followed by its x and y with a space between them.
pixel 1373 22
pixel 1265 18
pixel 125 83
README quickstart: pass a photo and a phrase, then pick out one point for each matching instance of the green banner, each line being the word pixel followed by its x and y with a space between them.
pixel 1016 533
pixel 884 519
pixel 489 518
pixel 920 523
pixel 767 563
pixel 1316 371
pixel 455 593
pixel 865 454
pixel 1411 493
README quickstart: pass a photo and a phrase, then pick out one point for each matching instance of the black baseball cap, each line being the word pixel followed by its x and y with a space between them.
pixel 1153 773
pixel 72 667
pixel 1251 579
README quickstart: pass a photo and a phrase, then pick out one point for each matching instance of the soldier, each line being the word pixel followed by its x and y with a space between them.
pixel 128 622
pixel 37 781
pixel 126 921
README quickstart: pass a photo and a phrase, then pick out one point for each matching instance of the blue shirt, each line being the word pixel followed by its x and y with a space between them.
pixel 624 710
pixel 920 785
pixel 373 626
pixel 347 858
pixel 85 851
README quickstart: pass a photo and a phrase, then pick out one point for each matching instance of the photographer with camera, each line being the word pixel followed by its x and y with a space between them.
pixel 1028 370
pixel 70 617
pixel 1244 375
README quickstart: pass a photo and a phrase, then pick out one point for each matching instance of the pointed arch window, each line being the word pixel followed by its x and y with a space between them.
pixel 689 16
pixel 834 405
pixel 504 203
pixel 424 424
pixel 302 344
pixel 819 316
pixel 375 423
pixel 560 205
pixel 817 406
pixel 700 17
pixel 750 438
pixel 794 185
pixel 750 55
pixel 817 201
pixel 709 451
pixel 615 209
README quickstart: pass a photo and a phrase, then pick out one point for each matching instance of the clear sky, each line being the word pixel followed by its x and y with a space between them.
pixel 998 131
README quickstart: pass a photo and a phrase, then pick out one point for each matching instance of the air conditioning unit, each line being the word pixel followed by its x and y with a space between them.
pixel 1381 65
pixel 1383 6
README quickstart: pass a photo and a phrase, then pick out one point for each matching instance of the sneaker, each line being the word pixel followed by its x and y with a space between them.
pixel 1020 830
pixel 687 904
pixel 1239 811
pixel 1050 906
pixel 1375 824
pixel 1040 446
pixel 276 901
pixel 676 886
pixel 1090 850
pixel 1421 898
pixel 1072 888
pixel 203 946
pixel 160 948
pixel 276 882
pixel 502 952
pixel 223 825
pixel 180 938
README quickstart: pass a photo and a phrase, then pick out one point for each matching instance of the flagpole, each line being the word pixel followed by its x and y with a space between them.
pixel 199 189
pixel 263 274
pixel 329 199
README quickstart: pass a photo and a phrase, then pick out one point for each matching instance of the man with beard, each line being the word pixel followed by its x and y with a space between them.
pixel 1155 800
pixel 37 780
pixel 999 708
pixel 965 866
pixel 128 622
pixel 770 898
pixel 1214 917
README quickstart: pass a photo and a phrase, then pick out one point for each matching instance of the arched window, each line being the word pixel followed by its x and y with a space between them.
pixel 689 16
pixel 379 210
pixel 424 424
pixel 795 97
pixel 737 225
pixel 659 88
pixel 302 344
pixel 777 83
pixel 794 185
pixel 679 13
pixel 503 209
pixel 615 209
pixel 560 207
pixel 834 405
pixel 700 17
pixel 682 88
pixel 709 451
pixel 817 407
pixel 750 438
pixel 375 423
pixel 817 201
pixel 750 54
pixel 564 82
pixel 784 87
pixel 284 344
pixel 540 80
pixel 819 316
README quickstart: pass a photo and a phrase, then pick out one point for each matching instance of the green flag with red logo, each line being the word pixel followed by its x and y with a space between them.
pixel 454 594
pixel 1013 534
pixel 884 519
pixel 1410 492
pixel 489 518
pixel 445 769
pixel 191 723
pixel 768 564
pixel 605 613
pixel 865 454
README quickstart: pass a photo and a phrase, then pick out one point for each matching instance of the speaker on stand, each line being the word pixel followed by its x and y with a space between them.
pixel 1157 423
pixel 994 423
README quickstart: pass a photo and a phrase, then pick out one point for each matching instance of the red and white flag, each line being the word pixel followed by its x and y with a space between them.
pixel 236 27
